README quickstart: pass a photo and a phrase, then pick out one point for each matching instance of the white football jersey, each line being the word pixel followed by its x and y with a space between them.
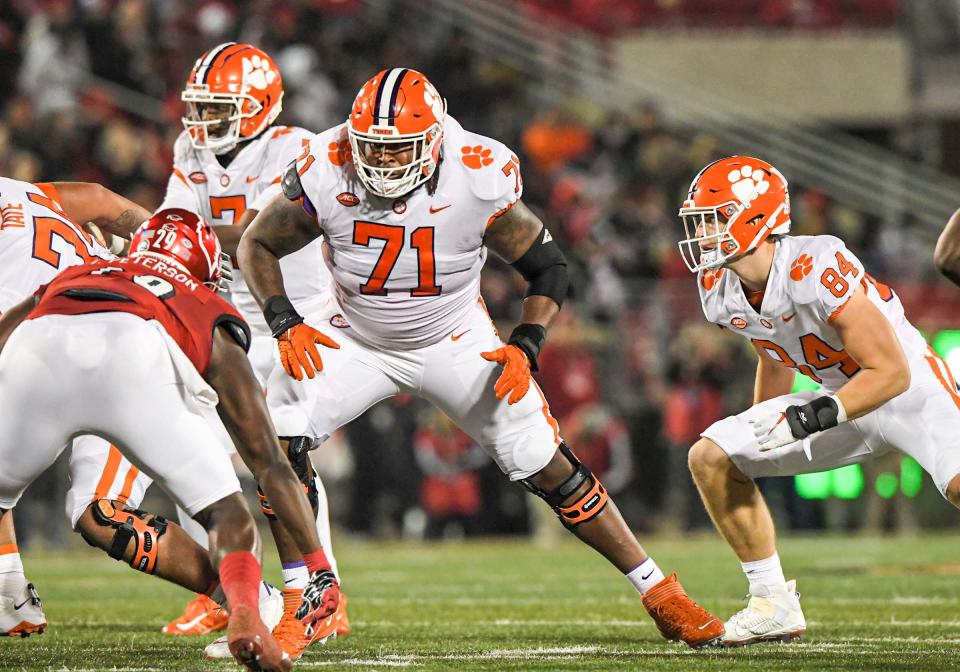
pixel 407 270
pixel 37 241
pixel 252 179
pixel 811 280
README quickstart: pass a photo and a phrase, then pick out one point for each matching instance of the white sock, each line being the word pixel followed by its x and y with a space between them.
pixel 766 572
pixel 645 576
pixel 266 589
pixel 11 573
pixel 295 575
pixel 193 529
pixel 323 526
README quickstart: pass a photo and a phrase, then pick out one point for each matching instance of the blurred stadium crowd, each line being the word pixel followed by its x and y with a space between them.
pixel 632 371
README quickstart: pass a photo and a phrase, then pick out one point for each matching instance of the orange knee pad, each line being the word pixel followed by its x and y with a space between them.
pixel 144 528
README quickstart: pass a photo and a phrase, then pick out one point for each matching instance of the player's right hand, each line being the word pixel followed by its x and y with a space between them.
pixel 298 350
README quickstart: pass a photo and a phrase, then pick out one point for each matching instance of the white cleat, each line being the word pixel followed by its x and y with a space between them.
pixel 21 614
pixel 770 616
pixel 271 611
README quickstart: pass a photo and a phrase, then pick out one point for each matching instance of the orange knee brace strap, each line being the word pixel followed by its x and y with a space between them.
pixel 144 528
pixel 265 505
pixel 585 508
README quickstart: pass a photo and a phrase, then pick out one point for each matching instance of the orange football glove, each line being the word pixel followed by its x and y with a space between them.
pixel 515 378
pixel 298 350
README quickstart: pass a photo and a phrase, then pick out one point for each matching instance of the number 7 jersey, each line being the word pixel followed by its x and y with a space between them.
pixel 810 283
pixel 37 240
pixel 407 270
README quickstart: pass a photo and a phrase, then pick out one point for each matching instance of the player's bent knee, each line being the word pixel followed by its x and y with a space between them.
pixel 298 449
pixel 706 457
pixel 570 488
pixel 111 526
pixel 953 491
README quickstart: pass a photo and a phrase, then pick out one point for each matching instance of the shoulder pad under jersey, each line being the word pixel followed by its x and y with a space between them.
pixel 290 182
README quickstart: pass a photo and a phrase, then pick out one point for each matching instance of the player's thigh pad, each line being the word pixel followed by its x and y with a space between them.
pixel 521 438
pixel 143 397
pixel 353 379
pixel 35 396
pixel 924 421
pixel 844 444
pixel 100 471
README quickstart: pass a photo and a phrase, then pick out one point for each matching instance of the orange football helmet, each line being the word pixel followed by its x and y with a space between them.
pixel 240 77
pixel 396 108
pixel 734 204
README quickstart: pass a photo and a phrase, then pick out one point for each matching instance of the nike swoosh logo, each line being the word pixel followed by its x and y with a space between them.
pixel 644 578
pixel 712 620
pixel 783 416
pixel 189 624
pixel 253 179
pixel 434 210
pixel 457 337
pixel 288 581
pixel 787 318
pixel 17 606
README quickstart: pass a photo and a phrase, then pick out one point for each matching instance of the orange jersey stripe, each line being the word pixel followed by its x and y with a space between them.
pixel 494 216
pixel 109 473
pixel 546 413
pixel 7 549
pixel 949 384
pixel 176 171
pixel 132 474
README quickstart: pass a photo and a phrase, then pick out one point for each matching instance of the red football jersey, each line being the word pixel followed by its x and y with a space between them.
pixel 150 289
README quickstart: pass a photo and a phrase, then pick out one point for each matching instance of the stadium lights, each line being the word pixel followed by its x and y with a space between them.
pixel 848 482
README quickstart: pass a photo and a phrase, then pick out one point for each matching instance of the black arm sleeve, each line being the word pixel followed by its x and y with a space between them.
pixel 545 268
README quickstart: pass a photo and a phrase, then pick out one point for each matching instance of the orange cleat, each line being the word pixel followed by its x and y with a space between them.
pixel 678 617
pixel 201 616
pixel 252 645
pixel 290 633
pixel 331 626
pixel 343 623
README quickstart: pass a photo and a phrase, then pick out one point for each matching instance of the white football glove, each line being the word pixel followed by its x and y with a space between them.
pixel 772 431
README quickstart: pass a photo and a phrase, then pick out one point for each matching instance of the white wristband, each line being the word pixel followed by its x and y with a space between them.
pixel 841 411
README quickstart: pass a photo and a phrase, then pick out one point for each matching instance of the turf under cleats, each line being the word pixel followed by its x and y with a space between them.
pixel 200 617
pixel 21 613
pixel 678 617
pixel 271 611
pixel 770 616
pixel 252 645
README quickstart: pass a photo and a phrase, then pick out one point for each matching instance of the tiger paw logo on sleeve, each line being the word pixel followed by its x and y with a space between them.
pixel 476 157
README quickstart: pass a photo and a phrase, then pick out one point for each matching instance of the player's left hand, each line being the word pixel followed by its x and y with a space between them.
pixel 772 431
pixel 515 378
pixel 321 597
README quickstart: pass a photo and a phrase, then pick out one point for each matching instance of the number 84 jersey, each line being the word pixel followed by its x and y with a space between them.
pixel 407 270
pixel 810 283
pixel 37 240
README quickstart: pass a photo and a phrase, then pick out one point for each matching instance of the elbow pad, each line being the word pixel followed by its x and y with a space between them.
pixel 545 268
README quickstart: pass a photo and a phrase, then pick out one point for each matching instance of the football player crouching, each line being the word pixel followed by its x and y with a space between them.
pixel 408 203
pixel 807 305
pixel 139 351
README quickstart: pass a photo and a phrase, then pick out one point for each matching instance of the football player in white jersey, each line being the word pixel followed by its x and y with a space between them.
pixel 807 304
pixel 227 164
pixel 39 237
pixel 407 203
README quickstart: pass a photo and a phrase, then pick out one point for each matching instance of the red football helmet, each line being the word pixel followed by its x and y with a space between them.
pixel 398 107
pixel 246 82
pixel 734 204
pixel 181 238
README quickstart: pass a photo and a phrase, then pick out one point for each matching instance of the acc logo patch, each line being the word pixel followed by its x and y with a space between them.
pixel 399 206
pixel 197 177
pixel 801 267
pixel 224 180
pixel 765 322
pixel 739 323
pixel 348 199
pixel 339 321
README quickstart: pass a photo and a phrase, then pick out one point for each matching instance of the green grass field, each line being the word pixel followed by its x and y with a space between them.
pixel 871 604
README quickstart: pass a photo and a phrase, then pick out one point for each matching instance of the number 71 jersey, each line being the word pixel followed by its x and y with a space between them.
pixel 810 283
pixel 37 240
pixel 407 270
